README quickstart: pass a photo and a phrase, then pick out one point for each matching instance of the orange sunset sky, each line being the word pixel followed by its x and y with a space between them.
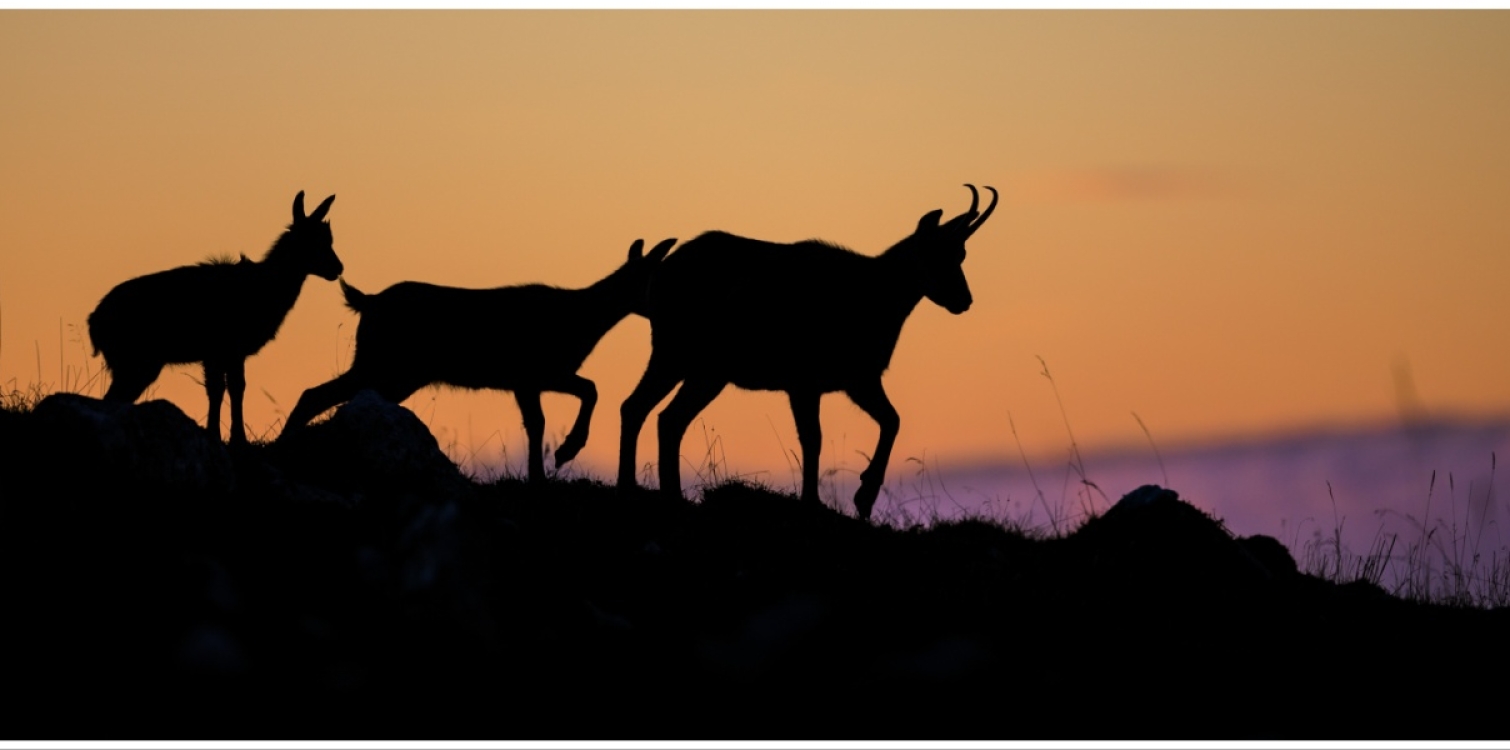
pixel 1228 222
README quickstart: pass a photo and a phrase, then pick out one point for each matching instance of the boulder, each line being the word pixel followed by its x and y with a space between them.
pixel 1154 540
pixel 152 446
pixel 373 446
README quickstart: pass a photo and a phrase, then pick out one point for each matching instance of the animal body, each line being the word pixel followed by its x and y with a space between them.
pixel 525 339
pixel 217 313
pixel 807 318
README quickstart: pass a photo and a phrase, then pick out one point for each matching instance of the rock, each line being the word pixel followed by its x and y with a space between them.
pixel 151 446
pixel 1270 553
pixel 1154 537
pixel 374 446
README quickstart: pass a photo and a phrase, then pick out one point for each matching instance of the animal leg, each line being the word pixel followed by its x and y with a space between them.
pixel 690 400
pixel 321 397
pixel 214 386
pixel 871 397
pixel 657 381
pixel 584 390
pixel 534 428
pixel 810 435
pixel 236 382
pixel 129 380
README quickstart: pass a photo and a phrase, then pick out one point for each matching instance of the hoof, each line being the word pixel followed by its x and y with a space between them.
pixel 566 453
pixel 865 500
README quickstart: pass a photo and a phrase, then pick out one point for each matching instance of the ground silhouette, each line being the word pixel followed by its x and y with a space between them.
pixel 352 583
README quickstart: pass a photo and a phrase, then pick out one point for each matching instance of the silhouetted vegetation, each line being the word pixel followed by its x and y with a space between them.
pixel 355 584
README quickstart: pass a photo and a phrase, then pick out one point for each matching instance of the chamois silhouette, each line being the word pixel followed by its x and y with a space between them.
pixel 527 339
pixel 806 318
pixel 218 312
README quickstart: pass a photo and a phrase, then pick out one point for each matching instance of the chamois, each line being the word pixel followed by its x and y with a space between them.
pixel 527 339
pixel 806 318
pixel 218 312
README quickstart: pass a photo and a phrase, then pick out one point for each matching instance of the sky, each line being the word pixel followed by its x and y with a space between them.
pixel 1212 224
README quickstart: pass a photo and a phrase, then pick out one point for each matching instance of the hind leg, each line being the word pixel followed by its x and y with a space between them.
pixel 321 397
pixel 128 380
pixel 340 390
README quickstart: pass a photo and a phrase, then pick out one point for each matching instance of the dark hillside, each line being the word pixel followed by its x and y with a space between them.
pixel 353 584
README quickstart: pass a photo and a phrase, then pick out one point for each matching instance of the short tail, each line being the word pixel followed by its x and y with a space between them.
pixel 355 298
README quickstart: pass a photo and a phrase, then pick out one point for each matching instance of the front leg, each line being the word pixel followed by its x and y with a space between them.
pixel 871 398
pixel 810 436
pixel 672 424
pixel 657 381
pixel 236 380
pixel 584 390
pixel 534 429
pixel 214 387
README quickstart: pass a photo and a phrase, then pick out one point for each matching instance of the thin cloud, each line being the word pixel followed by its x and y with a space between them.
pixel 1130 184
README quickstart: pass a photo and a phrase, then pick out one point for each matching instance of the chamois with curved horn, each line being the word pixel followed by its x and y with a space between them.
pixel 807 318
pixel 218 313
pixel 527 339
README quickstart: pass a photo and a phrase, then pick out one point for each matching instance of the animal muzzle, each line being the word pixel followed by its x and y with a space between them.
pixel 331 273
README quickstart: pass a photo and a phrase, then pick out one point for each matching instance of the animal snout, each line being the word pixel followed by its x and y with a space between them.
pixel 333 272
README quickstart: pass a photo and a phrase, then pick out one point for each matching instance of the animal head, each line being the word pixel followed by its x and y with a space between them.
pixel 937 252
pixel 635 275
pixel 310 240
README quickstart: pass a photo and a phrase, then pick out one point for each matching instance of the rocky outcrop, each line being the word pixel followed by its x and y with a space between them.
pixel 372 446
pixel 151 446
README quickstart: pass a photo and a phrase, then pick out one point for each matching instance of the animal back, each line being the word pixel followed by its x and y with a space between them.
pixel 773 316
pixel 189 314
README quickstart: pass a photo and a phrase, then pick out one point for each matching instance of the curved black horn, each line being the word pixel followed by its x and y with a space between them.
pixel 974 198
pixel 976 225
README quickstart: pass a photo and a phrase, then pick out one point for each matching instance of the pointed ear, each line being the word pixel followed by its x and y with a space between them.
pixel 635 250
pixel 321 209
pixel 930 220
pixel 299 207
pixel 660 250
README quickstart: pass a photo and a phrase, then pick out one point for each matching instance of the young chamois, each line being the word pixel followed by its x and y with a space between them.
pixel 806 318
pixel 526 339
pixel 218 312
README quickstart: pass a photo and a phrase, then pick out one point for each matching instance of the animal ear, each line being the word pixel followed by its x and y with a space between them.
pixel 930 220
pixel 299 207
pixel 960 222
pixel 660 250
pixel 636 249
pixel 321 209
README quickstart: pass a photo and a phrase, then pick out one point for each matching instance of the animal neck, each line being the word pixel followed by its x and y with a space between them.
pixel 282 257
pixel 280 271
pixel 604 304
pixel 901 283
